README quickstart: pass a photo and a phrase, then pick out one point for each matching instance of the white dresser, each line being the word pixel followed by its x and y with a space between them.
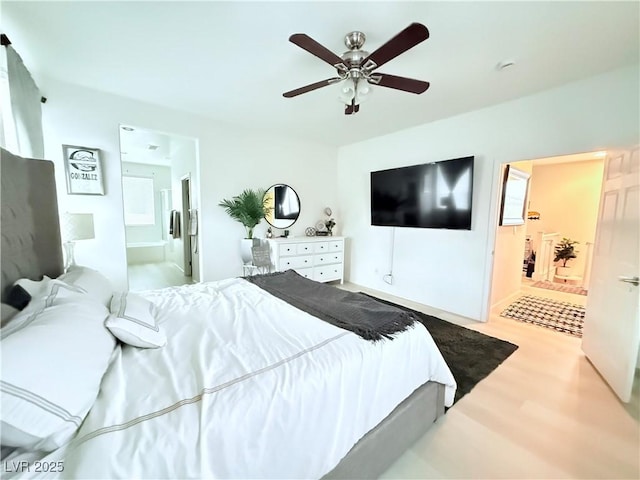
pixel 317 258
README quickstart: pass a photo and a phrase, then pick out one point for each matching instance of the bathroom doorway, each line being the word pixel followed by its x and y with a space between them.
pixel 160 218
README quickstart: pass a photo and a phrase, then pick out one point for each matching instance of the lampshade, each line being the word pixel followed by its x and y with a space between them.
pixel 363 91
pixel 357 89
pixel 77 226
pixel 347 91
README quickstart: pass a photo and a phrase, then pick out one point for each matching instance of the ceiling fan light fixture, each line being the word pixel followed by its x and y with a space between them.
pixel 363 91
pixel 347 91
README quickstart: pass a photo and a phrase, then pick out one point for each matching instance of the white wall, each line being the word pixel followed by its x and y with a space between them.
pixel 508 253
pixel 230 160
pixel 451 270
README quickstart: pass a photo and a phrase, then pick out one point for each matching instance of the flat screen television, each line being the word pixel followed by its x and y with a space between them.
pixel 431 195
pixel 287 206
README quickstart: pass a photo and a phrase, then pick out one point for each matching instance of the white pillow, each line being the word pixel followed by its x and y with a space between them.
pixel 35 288
pixel 91 281
pixel 133 321
pixel 52 366
pixel 55 293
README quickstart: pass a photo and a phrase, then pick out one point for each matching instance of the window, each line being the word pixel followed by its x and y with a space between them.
pixel 138 197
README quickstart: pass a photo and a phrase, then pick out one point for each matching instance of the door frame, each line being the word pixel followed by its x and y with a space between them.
pixel 493 222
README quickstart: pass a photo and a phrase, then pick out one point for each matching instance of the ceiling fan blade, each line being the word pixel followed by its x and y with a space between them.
pixel 403 41
pixel 399 83
pixel 310 45
pixel 311 87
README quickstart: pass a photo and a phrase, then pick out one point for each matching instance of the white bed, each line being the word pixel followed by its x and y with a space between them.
pixel 246 387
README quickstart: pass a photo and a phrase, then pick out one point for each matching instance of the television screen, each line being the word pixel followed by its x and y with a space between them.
pixel 286 202
pixel 432 195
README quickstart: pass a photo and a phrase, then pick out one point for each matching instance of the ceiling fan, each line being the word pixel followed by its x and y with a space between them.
pixel 355 67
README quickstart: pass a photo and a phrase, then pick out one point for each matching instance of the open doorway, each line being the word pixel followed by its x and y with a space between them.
pixel 160 215
pixel 562 203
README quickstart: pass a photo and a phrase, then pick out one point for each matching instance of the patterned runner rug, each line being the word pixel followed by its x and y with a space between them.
pixel 560 316
pixel 560 287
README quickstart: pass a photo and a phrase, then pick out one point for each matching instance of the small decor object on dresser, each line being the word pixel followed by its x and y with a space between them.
pixel 82 170
pixel 321 229
pixel 310 232
pixel 330 223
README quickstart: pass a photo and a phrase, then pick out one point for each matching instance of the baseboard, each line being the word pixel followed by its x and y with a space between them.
pixel 505 302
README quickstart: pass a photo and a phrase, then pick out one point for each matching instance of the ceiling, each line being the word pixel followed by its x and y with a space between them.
pixel 231 61
pixel 140 145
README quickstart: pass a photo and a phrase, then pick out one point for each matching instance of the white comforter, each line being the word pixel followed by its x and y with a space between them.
pixel 247 387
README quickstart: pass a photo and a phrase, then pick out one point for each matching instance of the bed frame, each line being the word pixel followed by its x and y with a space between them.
pixel 30 225
pixel 31 248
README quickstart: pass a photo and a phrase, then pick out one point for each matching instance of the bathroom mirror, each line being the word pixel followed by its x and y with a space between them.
pixel 283 206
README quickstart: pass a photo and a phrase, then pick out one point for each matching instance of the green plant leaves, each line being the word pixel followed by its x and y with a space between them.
pixel 565 250
pixel 248 208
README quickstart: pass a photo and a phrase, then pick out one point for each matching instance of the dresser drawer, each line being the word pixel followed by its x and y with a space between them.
pixel 289 249
pixel 326 258
pixel 327 273
pixel 320 247
pixel 336 246
pixel 296 262
pixel 303 248
pixel 305 272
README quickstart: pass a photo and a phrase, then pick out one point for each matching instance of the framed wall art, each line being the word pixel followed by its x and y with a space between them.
pixel 514 196
pixel 83 170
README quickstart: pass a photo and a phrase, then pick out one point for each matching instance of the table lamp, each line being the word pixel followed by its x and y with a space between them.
pixel 75 226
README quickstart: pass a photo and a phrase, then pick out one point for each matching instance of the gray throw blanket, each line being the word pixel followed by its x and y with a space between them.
pixel 363 315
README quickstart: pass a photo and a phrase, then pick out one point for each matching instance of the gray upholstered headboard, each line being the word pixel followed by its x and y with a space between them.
pixel 29 225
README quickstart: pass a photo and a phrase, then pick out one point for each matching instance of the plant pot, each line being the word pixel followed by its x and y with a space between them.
pixel 245 250
pixel 563 271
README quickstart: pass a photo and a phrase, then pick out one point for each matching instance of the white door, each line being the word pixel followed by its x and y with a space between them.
pixel 611 329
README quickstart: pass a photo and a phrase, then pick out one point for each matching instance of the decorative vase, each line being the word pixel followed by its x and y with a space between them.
pixel 245 250
pixel 563 271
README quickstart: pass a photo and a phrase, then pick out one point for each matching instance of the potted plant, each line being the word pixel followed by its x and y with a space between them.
pixel 565 251
pixel 249 209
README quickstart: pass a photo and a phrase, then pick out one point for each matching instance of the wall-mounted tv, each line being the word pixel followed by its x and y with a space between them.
pixel 432 195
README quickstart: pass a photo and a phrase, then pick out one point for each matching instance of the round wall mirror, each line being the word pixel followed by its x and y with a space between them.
pixel 283 206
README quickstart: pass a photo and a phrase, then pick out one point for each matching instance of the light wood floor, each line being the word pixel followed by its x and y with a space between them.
pixel 545 413
pixel 149 276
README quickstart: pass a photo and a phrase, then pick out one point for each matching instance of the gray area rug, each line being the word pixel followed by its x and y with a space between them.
pixel 471 355
pixel 559 316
